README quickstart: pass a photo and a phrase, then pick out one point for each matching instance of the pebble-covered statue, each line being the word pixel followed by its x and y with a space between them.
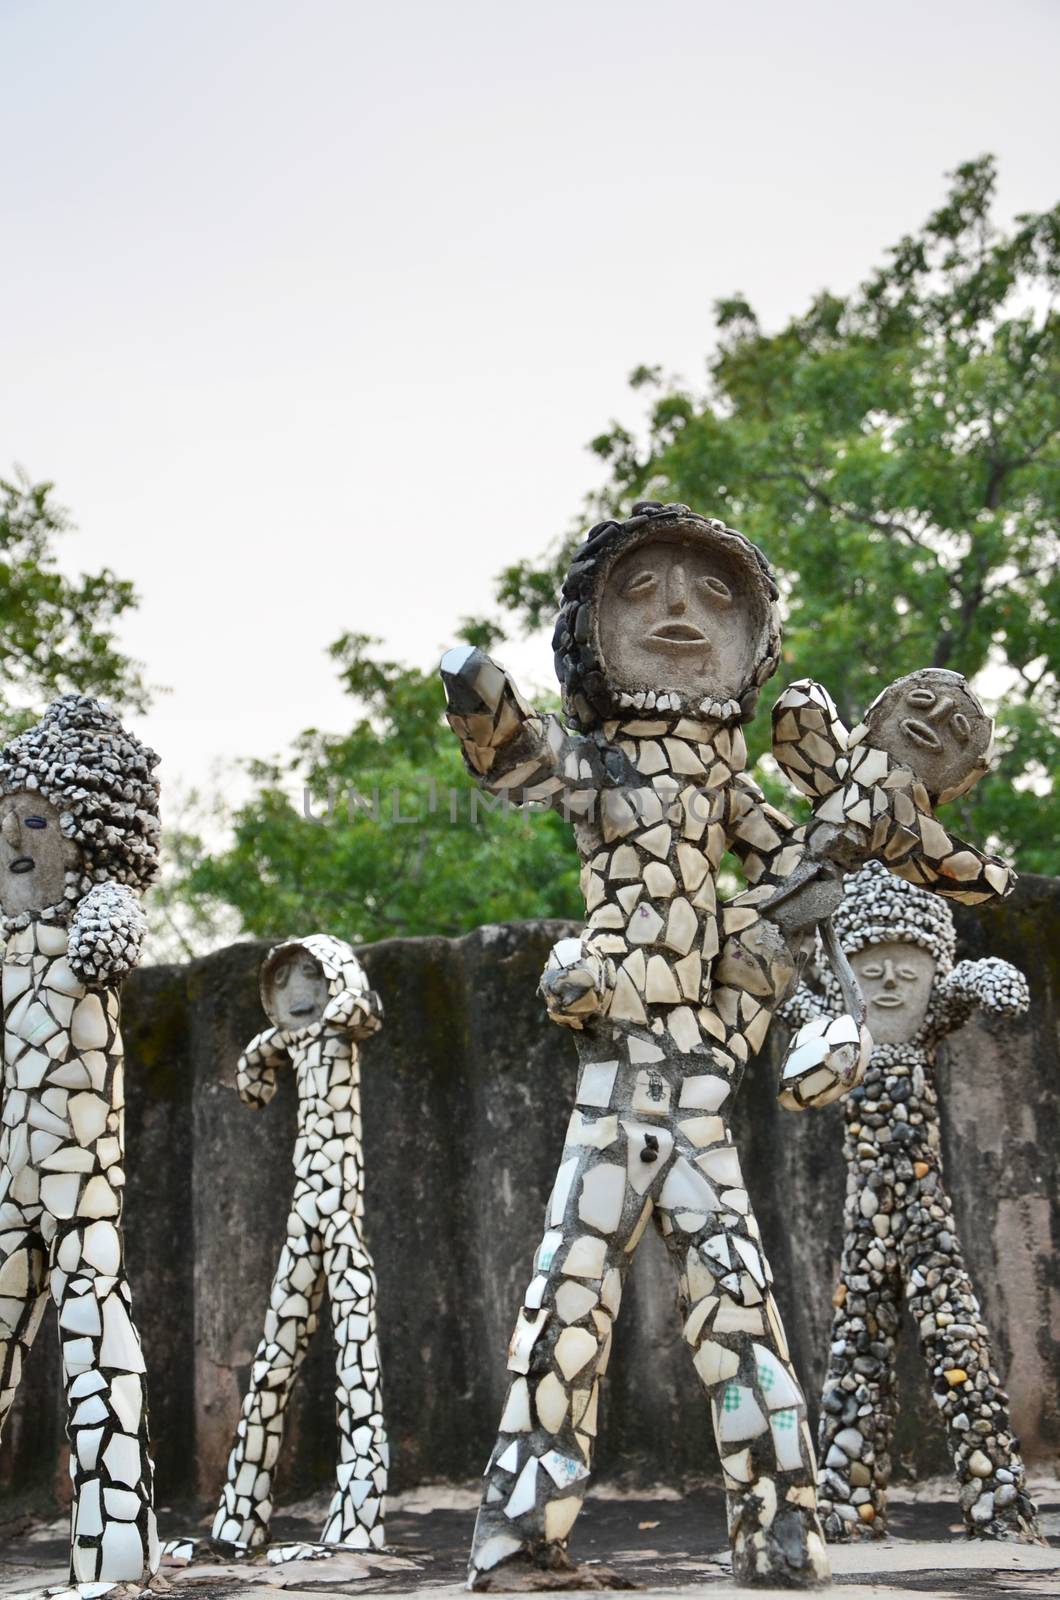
pixel 78 846
pixel 667 631
pixel 902 1241
pixel 320 1006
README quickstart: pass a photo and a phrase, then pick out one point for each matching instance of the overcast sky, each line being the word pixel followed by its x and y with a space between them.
pixel 309 309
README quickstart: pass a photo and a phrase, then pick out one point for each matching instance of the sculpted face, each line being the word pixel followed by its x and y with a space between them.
pixel 896 981
pixel 33 854
pixel 932 723
pixel 295 990
pixel 675 614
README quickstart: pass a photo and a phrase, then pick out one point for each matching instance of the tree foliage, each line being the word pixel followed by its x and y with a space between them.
pixel 388 837
pixel 894 452
pixel 56 633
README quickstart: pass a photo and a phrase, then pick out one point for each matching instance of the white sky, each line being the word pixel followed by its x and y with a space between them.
pixel 310 309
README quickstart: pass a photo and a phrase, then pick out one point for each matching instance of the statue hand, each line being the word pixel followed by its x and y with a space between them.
pixel 576 983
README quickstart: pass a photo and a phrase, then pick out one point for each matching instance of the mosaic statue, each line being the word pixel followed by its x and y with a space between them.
pixel 316 995
pixel 78 846
pixel 667 631
pixel 902 1241
pixel 925 740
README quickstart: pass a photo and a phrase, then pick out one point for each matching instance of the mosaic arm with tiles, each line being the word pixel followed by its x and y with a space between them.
pixel 667 631
pixel 78 845
pixel 902 1240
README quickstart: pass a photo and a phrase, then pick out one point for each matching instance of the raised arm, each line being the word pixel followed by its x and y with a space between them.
pixel 257 1067
pixel 507 745
pixel 106 934
pixel 994 986
pixel 809 740
pixel 361 1014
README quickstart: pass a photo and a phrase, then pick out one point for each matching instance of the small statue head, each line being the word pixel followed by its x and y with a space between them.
pixel 666 612
pixel 932 723
pixel 898 937
pixel 311 980
pixel 78 806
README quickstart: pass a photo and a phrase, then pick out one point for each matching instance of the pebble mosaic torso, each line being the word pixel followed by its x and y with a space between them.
pixel 902 1243
pixel 62 1178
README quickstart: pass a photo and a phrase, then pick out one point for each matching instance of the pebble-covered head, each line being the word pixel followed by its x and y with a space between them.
pixel 306 981
pixel 666 612
pixel 900 940
pixel 78 807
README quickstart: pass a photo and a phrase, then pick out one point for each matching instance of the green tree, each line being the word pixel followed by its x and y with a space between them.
pixel 56 633
pixel 388 836
pixel 894 453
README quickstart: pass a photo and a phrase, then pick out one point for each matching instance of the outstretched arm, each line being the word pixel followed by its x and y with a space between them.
pixel 257 1067
pixel 361 1014
pixel 507 745
pixel 106 934
pixel 995 986
pixel 809 740
pixel 951 867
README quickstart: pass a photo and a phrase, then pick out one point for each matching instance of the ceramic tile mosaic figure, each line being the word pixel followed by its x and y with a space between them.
pixel 318 1000
pixel 901 1234
pixel 78 846
pixel 667 631
pixel 925 740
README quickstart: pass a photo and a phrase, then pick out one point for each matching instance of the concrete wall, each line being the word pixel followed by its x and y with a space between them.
pixel 465 1102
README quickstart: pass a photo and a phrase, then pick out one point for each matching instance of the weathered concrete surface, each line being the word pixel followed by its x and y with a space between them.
pixel 465 1096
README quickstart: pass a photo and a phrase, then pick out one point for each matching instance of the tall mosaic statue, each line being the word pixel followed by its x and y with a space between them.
pixel 667 631
pixel 78 846
pixel 320 1006
pixel 902 1240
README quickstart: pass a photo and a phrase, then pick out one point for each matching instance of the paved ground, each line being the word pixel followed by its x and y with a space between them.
pixel 661 1544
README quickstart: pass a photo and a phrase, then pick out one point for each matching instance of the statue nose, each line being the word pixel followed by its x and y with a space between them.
pixel 676 590
pixel 11 830
pixel 889 979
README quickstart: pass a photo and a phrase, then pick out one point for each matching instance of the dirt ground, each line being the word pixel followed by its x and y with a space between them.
pixel 661 1543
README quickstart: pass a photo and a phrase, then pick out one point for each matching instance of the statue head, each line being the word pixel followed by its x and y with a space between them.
pixel 898 937
pixel 305 981
pixel 668 612
pixel 78 806
pixel 932 723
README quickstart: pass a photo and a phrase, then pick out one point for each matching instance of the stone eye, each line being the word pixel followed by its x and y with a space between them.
pixel 922 699
pixel 717 591
pixel 961 727
pixel 35 822
pixel 280 978
pixel 873 971
pixel 907 973
pixel 640 583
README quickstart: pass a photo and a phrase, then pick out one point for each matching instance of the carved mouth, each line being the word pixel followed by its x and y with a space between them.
pixel 920 733
pixel 302 1011
pixel 682 635
pixel 888 1000
pixel 21 864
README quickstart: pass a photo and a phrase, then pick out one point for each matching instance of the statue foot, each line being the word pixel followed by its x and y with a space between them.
pixel 523 1574
pixel 789 1553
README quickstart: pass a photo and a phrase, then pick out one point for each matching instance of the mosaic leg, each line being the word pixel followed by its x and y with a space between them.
pixel 290 1322
pixel 23 1296
pixel 859 1403
pixel 538 1472
pixel 355 1516
pixel 113 1526
pixel 740 1353
pixel 966 1385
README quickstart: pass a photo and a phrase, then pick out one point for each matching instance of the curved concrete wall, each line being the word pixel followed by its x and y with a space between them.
pixel 465 1103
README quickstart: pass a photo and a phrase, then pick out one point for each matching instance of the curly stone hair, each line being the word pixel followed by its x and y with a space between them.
pixel 589 697
pixel 100 779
